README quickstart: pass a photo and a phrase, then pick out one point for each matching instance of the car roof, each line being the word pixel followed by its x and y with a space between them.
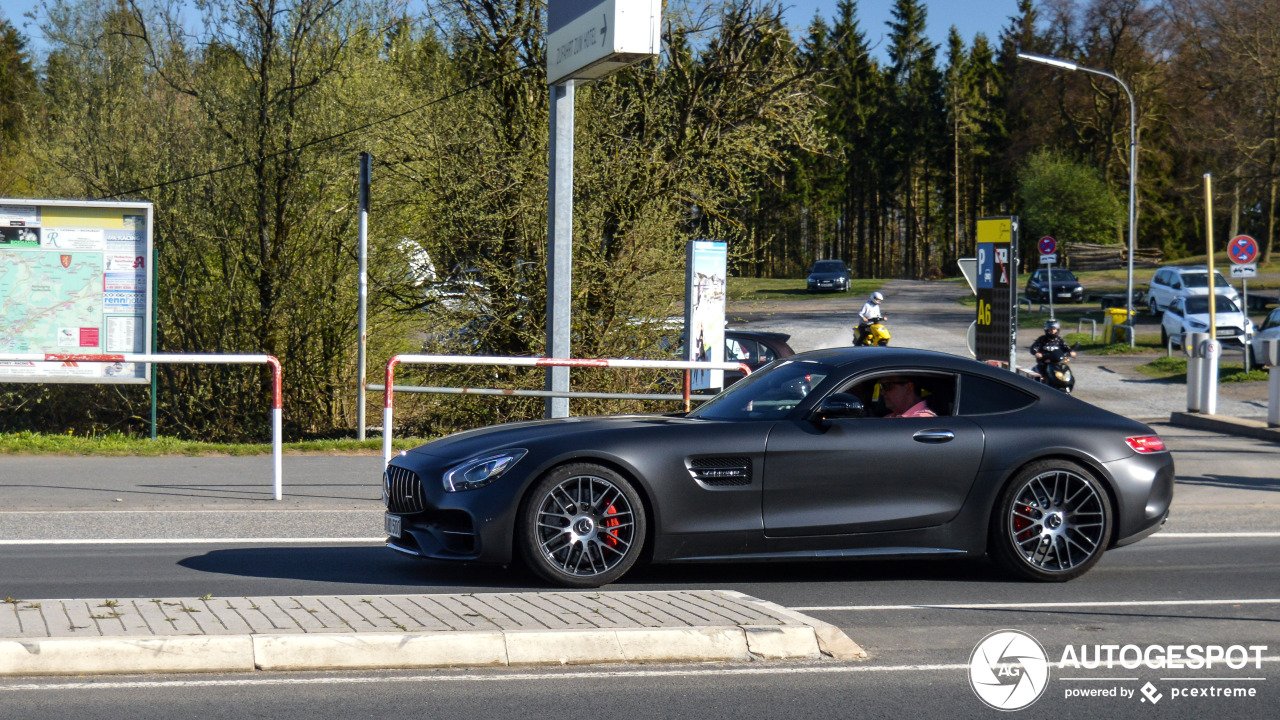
pixel 758 335
pixel 908 358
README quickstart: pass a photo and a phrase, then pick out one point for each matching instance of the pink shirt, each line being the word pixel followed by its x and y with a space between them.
pixel 920 409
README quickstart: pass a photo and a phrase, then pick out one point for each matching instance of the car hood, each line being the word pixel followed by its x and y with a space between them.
pixel 470 443
pixel 1232 319
pixel 826 275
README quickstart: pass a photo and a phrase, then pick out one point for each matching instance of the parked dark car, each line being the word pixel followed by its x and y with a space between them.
pixel 795 462
pixel 755 349
pixel 1066 288
pixel 828 275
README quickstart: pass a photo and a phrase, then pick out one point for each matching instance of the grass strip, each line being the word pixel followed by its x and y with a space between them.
pixel 115 444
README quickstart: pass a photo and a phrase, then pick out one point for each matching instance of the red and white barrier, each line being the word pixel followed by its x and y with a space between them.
pixel 191 359
pixel 388 391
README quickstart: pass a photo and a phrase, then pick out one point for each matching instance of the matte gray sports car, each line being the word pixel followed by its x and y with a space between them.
pixel 798 461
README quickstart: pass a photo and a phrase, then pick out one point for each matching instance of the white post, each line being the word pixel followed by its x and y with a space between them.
pixel 277 450
pixel 1193 347
pixel 1212 351
pixel 386 434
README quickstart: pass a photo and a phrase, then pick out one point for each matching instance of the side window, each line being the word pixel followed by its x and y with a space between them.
pixel 984 396
pixel 766 355
pixel 1273 320
pixel 739 350
pixel 937 390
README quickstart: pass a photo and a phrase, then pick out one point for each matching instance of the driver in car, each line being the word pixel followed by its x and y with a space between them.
pixel 902 398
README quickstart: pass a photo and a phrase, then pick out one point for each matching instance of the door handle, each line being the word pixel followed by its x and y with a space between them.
pixel 934 436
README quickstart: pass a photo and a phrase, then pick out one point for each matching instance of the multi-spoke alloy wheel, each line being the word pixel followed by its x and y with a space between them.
pixel 1054 522
pixel 584 526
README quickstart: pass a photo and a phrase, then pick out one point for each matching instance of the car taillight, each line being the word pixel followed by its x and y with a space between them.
pixel 1146 444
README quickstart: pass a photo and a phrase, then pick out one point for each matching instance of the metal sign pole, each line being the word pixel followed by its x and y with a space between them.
pixel 155 298
pixel 560 244
pixel 1051 315
pixel 366 171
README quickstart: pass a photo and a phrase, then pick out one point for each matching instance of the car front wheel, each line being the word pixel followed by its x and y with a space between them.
pixel 1052 524
pixel 1153 307
pixel 582 526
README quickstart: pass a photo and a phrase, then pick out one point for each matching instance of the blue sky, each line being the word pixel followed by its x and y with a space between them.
pixel 969 16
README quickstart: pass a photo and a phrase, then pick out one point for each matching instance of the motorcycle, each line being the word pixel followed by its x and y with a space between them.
pixel 874 333
pixel 1054 369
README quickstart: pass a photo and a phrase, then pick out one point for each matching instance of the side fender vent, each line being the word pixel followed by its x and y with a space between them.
pixel 721 471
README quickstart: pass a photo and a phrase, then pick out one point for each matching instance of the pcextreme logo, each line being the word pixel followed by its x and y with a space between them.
pixel 1008 670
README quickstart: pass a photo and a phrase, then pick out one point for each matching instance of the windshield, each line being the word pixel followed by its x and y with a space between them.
pixel 1199 280
pixel 1199 305
pixel 766 395
pixel 829 266
pixel 1059 276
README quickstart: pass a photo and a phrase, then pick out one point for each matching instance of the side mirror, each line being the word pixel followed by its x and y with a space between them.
pixel 841 405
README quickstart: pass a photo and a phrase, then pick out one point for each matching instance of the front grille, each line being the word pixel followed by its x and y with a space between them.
pixel 404 491
pixel 721 471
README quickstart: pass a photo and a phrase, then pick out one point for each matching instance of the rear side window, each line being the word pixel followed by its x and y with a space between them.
pixel 983 396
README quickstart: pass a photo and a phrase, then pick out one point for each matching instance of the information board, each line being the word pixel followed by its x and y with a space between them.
pixel 706 271
pixel 74 278
pixel 997 315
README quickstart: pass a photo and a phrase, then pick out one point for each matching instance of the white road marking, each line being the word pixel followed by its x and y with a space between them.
pixel 497 676
pixel 1186 535
pixel 201 541
pixel 1039 605
pixel 214 541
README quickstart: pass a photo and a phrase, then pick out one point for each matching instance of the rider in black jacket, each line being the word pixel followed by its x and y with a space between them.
pixel 1050 341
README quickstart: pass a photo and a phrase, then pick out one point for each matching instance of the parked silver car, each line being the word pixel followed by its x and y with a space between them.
pixel 1270 330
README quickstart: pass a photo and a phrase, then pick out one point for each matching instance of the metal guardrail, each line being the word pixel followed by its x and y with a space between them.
pixel 389 387
pixel 277 402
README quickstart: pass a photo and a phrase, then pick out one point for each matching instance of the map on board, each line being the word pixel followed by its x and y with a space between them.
pixel 52 301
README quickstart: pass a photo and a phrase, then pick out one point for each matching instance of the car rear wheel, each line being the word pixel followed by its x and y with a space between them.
pixel 1164 337
pixel 582 526
pixel 1153 307
pixel 1052 524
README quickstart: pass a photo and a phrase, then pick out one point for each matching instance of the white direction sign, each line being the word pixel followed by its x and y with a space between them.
pixel 1244 271
pixel 588 39
pixel 1047 259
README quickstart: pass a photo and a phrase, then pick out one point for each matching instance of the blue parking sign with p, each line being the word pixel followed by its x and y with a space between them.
pixel 986 265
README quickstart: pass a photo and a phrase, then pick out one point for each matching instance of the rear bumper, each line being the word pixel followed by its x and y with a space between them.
pixel 1143 486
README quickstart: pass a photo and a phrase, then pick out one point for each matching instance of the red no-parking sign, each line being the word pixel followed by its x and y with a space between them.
pixel 1048 245
pixel 1242 250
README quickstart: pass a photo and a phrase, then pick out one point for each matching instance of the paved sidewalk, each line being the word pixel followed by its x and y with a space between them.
pixel 48 637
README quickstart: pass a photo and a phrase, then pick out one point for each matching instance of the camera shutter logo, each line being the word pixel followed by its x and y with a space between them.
pixel 1008 670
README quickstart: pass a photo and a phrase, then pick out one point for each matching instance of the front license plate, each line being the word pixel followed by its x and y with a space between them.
pixel 393 523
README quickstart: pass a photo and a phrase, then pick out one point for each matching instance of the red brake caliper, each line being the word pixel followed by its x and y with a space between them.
pixel 1020 523
pixel 610 536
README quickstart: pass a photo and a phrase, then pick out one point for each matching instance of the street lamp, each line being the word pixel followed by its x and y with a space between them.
pixel 1133 163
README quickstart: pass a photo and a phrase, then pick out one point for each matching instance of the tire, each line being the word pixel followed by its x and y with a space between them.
pixel 1164 337
pixel 582 526
pixel 883 343
pixel 1052 523
pixel 1153 307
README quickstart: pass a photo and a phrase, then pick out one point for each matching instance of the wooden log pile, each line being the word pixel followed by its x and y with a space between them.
pixel 1089 256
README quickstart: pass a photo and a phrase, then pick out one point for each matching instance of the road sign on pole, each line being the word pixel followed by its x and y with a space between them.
pixel 1242 249
pixel 1048 245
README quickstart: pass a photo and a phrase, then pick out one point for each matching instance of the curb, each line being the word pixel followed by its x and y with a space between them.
pixel 1226 425
pixel 406 631
pixel 374 651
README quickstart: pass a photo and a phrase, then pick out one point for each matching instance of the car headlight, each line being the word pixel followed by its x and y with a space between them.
pixel 1197 325
pixel 478 472
pixel 811 280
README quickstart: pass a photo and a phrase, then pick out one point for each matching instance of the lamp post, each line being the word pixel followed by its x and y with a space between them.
pixel 1133 164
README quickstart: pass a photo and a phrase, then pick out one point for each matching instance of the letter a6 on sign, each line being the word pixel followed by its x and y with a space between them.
pixel 589 39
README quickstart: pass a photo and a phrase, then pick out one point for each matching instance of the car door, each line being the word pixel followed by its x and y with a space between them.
pixel 869 474
pixel 1173 317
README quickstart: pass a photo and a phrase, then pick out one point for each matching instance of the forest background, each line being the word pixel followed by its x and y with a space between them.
pixel 243 127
